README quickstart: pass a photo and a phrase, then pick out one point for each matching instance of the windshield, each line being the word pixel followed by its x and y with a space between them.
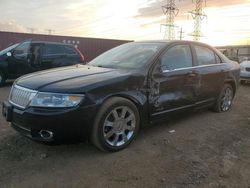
pixel 127 56
pixel 4 51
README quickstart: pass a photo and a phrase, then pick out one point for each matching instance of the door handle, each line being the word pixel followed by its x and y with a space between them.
pixel 192 74
pixel 222 70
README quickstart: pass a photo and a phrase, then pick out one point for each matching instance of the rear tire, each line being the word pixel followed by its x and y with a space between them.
pixel 225 99
pixel 2 78
pixel 116 125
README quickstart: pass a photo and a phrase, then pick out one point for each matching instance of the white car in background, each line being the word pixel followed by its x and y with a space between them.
pixel 245 71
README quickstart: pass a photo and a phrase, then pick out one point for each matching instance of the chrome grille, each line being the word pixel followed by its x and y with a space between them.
pixel 248 69
pixel 21 96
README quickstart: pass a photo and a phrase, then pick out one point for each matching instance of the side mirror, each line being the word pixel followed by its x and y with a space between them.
pixel 9 54
pixel 164 69
pixel 19 54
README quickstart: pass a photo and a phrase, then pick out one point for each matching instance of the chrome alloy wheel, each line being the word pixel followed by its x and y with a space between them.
pixel 226 100
pixel 119 126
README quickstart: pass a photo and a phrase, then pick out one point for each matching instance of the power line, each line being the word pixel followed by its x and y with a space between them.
pixel 103 18
pixel 50 31
pixel 181 32
pixel 171 11
pixel 97 23
pixel 31 29
pixel 116 29
pixel 198 15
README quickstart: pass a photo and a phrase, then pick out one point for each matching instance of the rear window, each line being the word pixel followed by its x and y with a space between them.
pixel 205 56
pixel 70 50
pixel 52 49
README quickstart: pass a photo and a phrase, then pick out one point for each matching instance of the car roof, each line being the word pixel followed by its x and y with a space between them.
pixel 172 41
pixel 47 42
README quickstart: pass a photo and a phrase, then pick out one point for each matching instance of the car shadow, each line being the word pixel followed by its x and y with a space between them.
pixel 172 122
pixel 16 147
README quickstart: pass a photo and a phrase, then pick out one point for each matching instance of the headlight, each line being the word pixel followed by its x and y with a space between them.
pixel 55 100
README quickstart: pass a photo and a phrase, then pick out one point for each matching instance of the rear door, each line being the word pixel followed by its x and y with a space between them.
pixel 174 84
pixel 212 71
pixel 51 53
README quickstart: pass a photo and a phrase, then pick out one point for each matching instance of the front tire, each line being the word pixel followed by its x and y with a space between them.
pixel 2 79
pixel 225 100
pixel 116 125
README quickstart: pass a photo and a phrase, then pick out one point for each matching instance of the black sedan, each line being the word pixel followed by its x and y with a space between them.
pixel 125 88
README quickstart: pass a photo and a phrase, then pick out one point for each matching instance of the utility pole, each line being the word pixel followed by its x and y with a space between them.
pixel 171 11
pixel 198 15
pixel 31 29
pixel 181 32
pixel 50 31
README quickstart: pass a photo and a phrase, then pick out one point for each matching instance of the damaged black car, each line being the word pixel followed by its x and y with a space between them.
pixel 125 88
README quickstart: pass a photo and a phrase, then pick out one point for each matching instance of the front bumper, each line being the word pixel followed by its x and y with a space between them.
pixel 245 75
pixel 63 123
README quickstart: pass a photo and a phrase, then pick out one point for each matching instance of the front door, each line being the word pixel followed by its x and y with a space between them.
pixel 18 62
pixel 174 85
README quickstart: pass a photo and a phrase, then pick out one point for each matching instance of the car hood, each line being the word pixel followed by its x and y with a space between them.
pixel 245 64
pixel 72 79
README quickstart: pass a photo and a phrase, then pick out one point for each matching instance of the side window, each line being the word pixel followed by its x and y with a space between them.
pixel 21 51
pixel 69 50
pixel 52 49
pixel 205 56
pixel 218 59
pixel 177 57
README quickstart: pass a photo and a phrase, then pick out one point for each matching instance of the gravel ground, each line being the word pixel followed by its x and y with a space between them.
pixel 207 149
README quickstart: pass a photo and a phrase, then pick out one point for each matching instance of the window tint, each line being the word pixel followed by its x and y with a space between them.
pixel 22 48
pixel 70 50
pixel 205 56
pixel 218 59
pixel 52 49
pixel 4 51
pixel 21 51
pixel 177 57
pixel 128 56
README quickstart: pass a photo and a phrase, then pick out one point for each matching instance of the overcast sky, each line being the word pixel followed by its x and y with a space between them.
pixel 227 21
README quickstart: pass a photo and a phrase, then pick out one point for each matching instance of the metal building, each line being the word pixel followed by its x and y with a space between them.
pixel 90 47
pixel 237 53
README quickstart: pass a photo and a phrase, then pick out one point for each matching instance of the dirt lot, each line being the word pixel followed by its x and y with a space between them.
pixel 207 150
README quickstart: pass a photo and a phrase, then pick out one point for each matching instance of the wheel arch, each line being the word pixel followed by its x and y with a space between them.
pixel 233 84
pixel 139 102
pixel 4 70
